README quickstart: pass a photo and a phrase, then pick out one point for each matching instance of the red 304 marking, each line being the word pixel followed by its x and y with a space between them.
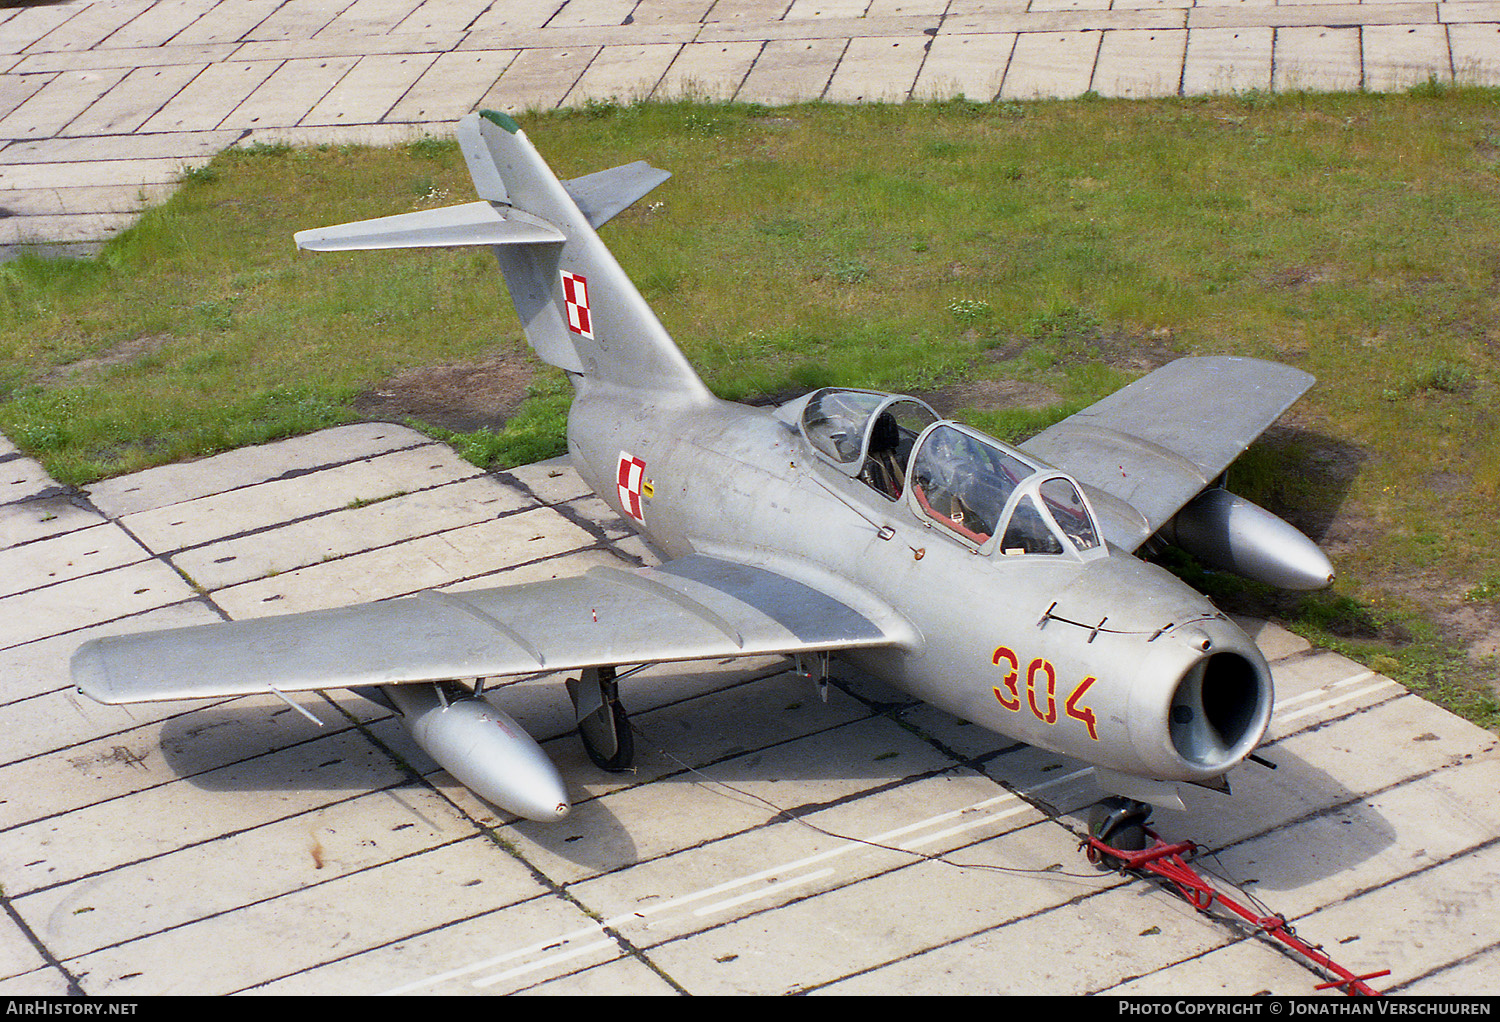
pixel 1041 691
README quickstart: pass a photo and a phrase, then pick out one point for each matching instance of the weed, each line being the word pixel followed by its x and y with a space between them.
pixel 596 109
pixel 217 314
pixel 1446 377
pixel 266 149
pixel 429 148
pixel 943 149
pixel 969 310
pixel 1065 323
pixel 1432 88
pixel 702 125
pixel 849 271
pixel 1485 592
pixel 783 227
pixel 201 175
pixel 359 502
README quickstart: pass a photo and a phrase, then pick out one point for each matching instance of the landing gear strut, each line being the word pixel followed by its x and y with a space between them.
pixel 602 723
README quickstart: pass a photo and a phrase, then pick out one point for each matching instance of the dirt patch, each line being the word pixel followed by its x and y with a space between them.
pixel 1474 626
pixel 1477 626
pixel 90 370
pixel 463 396
pixel 1294 277
pixel 988 395
pixel 1137 352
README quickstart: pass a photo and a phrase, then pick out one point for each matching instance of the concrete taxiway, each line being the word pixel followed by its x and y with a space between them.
pixel 768 840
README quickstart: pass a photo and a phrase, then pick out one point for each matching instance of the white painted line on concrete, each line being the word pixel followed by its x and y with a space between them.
pixel 943 817
pixel 1347 697
pixel 542 963
pixel 720 906
pixel 490 963
pixel 1353 679
pixel 979 822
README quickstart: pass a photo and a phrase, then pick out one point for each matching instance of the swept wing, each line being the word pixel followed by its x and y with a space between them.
pixel 1160 441
pixel 693 608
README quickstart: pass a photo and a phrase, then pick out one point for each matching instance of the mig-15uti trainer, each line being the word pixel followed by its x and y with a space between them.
pixel 999 583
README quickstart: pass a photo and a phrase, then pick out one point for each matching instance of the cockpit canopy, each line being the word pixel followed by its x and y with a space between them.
pixel 849 426
pixel 970 485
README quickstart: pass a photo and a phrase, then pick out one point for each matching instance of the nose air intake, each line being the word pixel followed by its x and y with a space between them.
pixel 1219 710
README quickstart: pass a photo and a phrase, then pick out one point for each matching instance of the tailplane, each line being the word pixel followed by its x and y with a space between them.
pixel 579 310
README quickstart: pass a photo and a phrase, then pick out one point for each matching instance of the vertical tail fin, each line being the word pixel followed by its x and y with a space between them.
pixel 579 309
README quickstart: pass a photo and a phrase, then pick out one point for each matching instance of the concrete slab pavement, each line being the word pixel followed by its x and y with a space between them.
pixel 237 846
pixel 188 77
pixel 339 859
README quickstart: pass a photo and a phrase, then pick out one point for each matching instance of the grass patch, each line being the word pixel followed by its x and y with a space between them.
pixel 1049 245
pixel 1424 660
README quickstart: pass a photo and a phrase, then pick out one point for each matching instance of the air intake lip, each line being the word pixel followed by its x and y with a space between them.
pixel 1219 711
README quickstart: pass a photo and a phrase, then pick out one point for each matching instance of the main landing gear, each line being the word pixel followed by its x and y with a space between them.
pixel 602 723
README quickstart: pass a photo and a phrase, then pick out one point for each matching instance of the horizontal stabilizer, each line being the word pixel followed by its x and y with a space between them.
pixel 474 223
pixel 604 195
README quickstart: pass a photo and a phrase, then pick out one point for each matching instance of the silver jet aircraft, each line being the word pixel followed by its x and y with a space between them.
pixel 999 583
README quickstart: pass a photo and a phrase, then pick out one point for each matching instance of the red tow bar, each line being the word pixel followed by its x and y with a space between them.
pixel 1169 861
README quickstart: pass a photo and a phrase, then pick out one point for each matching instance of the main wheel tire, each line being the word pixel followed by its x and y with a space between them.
pixel 624 753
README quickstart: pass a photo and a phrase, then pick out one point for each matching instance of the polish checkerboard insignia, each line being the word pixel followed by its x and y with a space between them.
pixel 632 482
pixel 576 298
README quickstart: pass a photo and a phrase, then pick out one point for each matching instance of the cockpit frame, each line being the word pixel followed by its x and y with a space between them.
pixel 996 500
pixel 973 488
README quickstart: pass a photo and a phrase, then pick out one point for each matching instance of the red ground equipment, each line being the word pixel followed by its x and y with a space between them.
pixel 1169 862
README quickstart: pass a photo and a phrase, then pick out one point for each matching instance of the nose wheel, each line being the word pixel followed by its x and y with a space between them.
pixel 602 722
pixel 1119 823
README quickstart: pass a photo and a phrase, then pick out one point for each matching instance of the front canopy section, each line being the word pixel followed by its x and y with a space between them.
pixel 991 497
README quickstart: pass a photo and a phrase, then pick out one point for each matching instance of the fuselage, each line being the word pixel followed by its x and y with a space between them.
pixel 1097 654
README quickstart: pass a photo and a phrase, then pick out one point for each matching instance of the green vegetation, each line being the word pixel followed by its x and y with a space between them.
pixel 1058 248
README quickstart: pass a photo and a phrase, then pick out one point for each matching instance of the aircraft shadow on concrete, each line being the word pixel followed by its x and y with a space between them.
pixel 770 726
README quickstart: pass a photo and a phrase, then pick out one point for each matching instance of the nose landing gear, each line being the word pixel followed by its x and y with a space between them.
pixel 1119 823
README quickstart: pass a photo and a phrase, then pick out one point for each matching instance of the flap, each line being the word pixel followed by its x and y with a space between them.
pixel 694 608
